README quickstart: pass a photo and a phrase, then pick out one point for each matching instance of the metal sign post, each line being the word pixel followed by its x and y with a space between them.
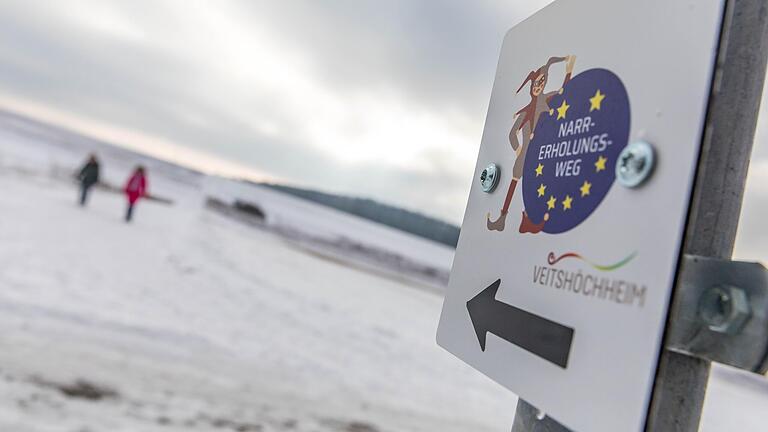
pixel 617 345
pixel 681 381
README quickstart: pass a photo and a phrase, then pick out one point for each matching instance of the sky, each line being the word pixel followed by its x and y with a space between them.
pixel 378 99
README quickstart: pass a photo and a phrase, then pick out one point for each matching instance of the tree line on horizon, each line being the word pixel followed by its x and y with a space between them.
pixel 391 216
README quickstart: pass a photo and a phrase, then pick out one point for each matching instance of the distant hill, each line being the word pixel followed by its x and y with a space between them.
pixel 395 217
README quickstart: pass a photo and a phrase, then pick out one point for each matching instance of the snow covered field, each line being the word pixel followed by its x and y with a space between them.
pixel 195 321
pixel 189 321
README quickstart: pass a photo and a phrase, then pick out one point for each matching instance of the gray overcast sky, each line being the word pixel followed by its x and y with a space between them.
pixel 382 99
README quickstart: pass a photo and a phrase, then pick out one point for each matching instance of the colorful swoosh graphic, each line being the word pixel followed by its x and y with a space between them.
pixel 552 260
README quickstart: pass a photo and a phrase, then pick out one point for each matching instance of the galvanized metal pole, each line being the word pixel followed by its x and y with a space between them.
pixel 681 381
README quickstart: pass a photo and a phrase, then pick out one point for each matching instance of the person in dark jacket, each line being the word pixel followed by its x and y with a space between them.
pixel 88 176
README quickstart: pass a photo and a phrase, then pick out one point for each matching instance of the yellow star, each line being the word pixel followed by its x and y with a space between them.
pixel 596 101
pixel 551 203
pixel 562 110
pixel 541 190
pixel 539 170
pixel 567 202
pixel 600 164
pixel 586 188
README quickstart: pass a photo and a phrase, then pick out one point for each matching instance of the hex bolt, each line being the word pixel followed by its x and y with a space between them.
pixel 725 309
pixel 489 177
pixel 635 164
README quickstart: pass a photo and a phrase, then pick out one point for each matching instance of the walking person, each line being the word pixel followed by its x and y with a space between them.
pixel 135 188
pixel 88 176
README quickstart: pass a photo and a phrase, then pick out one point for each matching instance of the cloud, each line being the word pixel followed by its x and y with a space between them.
pixel 389 86
pixel 752 237
pixel 381 99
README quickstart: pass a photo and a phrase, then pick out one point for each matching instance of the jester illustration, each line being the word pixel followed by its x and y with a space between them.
pixel 525 124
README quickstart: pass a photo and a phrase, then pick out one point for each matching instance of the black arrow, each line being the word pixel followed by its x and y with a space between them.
pixel 540 336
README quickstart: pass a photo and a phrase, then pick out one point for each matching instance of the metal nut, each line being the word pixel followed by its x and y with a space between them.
pixel 725 309
pixel 489 177
pixel 635 164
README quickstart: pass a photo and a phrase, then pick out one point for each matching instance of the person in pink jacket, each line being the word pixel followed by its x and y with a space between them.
pixel 135 188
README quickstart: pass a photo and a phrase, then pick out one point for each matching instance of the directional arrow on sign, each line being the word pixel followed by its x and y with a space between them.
pixel 533 333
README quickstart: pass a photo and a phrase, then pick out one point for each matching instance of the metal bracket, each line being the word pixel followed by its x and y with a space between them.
pixel 720 313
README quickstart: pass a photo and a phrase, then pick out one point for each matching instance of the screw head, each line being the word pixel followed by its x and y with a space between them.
pixel 635 164
pixel 489 177
pixel 725 309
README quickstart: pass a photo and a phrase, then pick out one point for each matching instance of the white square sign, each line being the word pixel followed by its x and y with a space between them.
pixel 562 276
